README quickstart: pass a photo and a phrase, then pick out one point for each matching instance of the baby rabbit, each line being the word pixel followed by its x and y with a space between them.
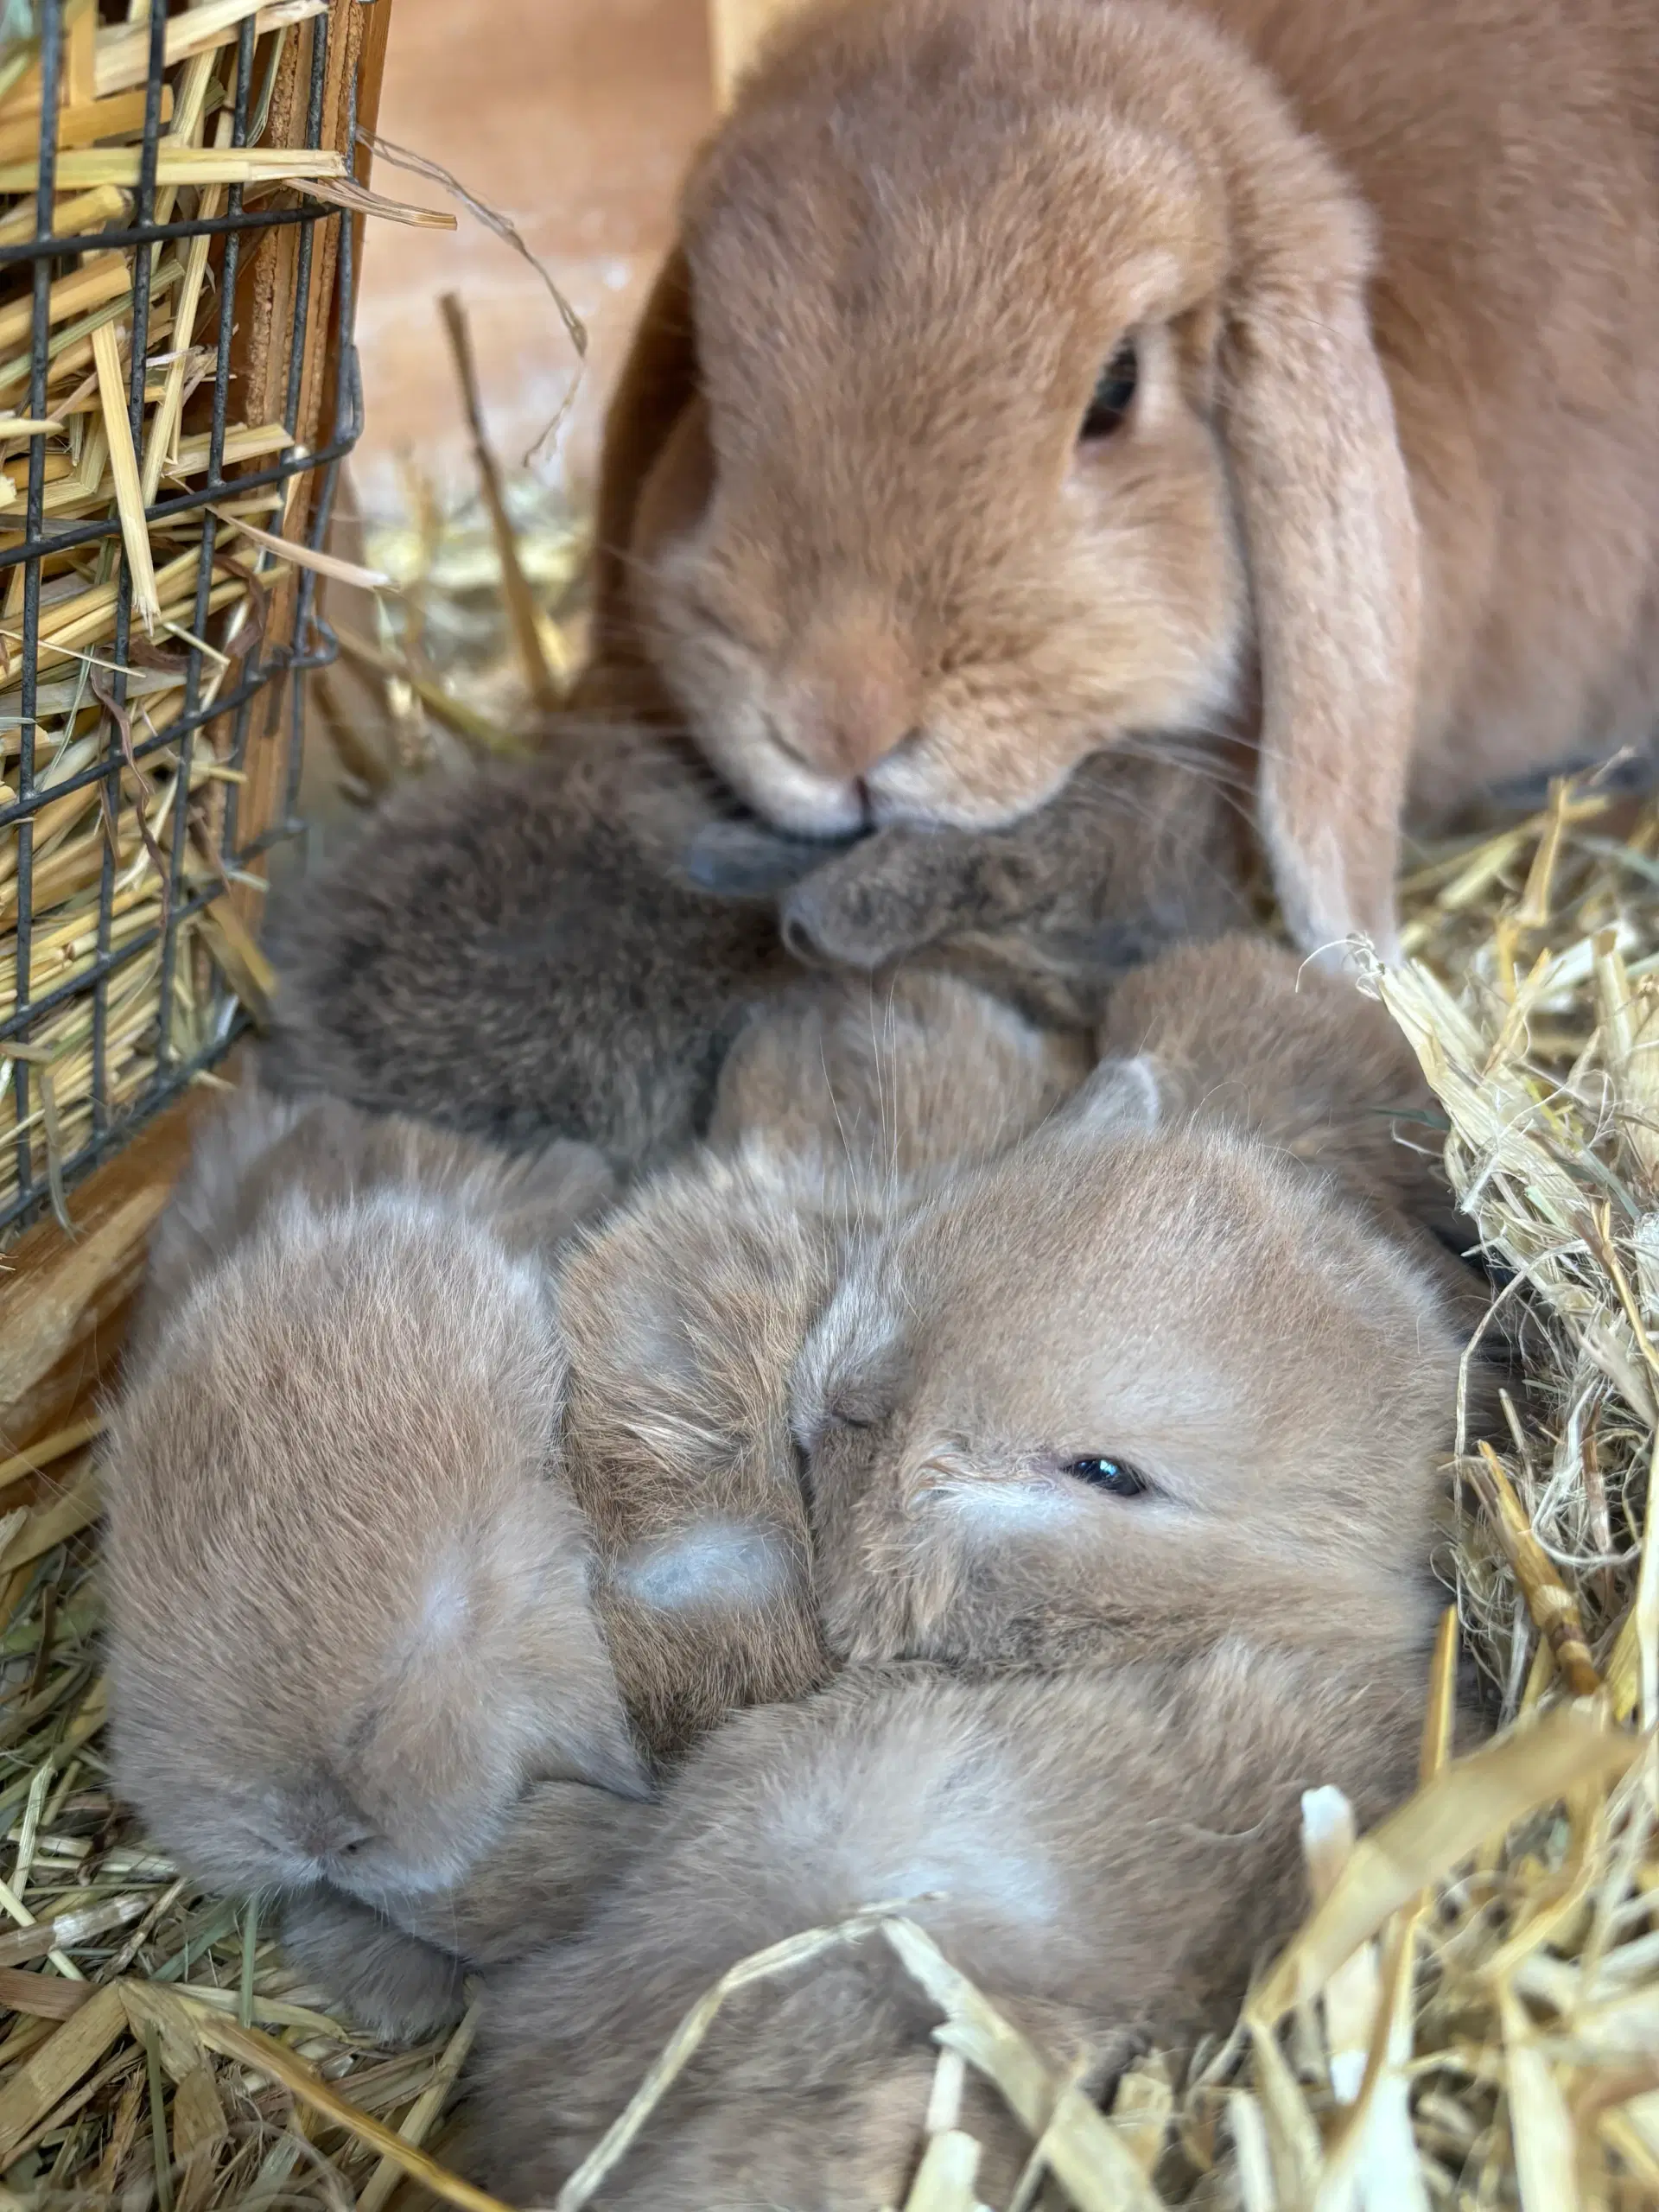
pixel 1034 374
pixel 1144 1380
pixel 347 1587
pixel 1241 1034
pixel 1138 1426
pixel 1136 854
pixel 516 955
pixel 684 1313
pixel 910 1075
pixel 569 948
pixel 1107 1854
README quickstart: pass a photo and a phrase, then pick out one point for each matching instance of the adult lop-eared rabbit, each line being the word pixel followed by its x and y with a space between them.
pixel 348 1602
pixel 1034 375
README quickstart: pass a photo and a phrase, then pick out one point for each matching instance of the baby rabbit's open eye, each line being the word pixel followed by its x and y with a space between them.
pixel 1113 395
pixel 1103 1473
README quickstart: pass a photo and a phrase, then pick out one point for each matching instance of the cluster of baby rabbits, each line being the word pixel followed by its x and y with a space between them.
pixel 801 1318
pixel 990 1472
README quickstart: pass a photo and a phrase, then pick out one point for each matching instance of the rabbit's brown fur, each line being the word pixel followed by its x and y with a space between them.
pixel 1105 1855
pixel 1095 1811
pixel 1391 270
pixel 516 954
pixel 567 949
pixel 910 1075
pixel 347 1587
pixel 1177 1306
pixel 1241 1034
pixel 684 1313
pixel 401 1971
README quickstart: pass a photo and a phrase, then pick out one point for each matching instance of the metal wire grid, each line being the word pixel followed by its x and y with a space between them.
pixel 313 644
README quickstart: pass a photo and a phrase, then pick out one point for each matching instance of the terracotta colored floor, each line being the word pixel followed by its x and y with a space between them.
pixel 574 118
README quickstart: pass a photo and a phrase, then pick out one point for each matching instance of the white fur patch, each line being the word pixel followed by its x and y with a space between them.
pixel 717 1564
pixel 446 1607
pixel 978 1875
pixel 997 1506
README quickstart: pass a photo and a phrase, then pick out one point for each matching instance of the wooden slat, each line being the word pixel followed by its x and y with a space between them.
pixel 64 1300
pixel 735 29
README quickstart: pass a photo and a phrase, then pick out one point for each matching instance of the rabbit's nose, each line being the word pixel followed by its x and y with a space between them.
pixel 844 729
pixel 852 698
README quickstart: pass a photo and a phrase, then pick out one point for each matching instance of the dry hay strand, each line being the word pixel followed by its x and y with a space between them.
pixel 113 857
pixel 484 622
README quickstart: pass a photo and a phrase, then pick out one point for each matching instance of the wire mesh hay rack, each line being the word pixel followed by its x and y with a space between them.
pixel 177 389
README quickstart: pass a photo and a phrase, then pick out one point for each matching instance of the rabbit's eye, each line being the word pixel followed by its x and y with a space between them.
pixel 1122 1481
pixel 1113 394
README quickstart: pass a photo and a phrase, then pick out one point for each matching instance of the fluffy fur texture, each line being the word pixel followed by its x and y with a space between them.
pixel 1240 1035
pixel 401 1971
pixel 908 1076
pixel 1386 496
pixel 348 1590
pixel 1180 1303
pixel 570 949
pixel 1134 855
pixel 684 1314
pixel 1107 1854
pixel 1154 1281
pixel 516 955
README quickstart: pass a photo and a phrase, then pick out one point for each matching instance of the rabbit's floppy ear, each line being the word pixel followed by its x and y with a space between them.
pixel 1121 1099
pixel 658 385
pixel 1330 538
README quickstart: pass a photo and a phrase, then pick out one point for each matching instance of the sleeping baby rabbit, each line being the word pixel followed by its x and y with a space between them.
pixel 1034 377
pixel 568 948
pixel 1106 1853
pixel 685 1311
pixel 347 1585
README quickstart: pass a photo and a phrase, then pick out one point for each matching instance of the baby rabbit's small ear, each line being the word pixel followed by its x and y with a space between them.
pixel 1332 538
pixel 657 384
pixel 1119 1100
pixel 743 859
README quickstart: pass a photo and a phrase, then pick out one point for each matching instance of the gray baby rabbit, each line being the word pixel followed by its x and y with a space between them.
pixel 347 1587
pixel 568 947
pixel 1182 1362
pixel 1136 854
pixel 1106 1854
pixel 516 953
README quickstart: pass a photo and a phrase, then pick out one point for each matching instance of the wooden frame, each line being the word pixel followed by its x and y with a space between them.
pixel 735 29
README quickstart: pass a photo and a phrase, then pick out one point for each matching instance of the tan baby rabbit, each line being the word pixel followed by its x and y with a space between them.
pixel 347 1587
pixel 1107 1854
pixel 1032 375
pixel 1146 1380
pixel 684 1313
